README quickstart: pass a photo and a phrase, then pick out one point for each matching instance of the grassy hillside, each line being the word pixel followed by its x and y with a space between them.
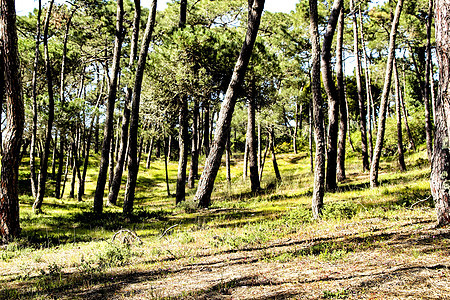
pixel 371 244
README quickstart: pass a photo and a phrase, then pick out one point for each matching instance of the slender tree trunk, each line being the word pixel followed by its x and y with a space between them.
pixel 183 141
pixel 368 91
pixel 206 128
pixel 310 139
pixel 398 93
pixel 35 112
pixel 253 158
pixel 362 108
pixel 428 125
pixel 111 163
pixel 384 98
pixel 245 167
pixel 294 138
pixel 317 103
pixel 193 172
pixel 440 163
pixel 62 139
pixel 340 172
pixel 133 167
pixel 10 75
pixel 51 114
pixel 54 153
pixel 228 160
pixel 165 150
pixel 149 156
pixel 333 100
pixel 108 132
pixel 258 138
pixel 274 158
pixel 206 183
pixel 405 118
pixel 263 158
pixel 66 172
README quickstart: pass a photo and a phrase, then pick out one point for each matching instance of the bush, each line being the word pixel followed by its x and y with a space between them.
pixel 340 210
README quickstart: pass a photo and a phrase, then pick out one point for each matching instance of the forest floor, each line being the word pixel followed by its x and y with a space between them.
pixel 371 243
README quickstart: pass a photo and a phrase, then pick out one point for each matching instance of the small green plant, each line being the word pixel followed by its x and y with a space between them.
pixel 340 210
pixel 339 294
pixel 113 255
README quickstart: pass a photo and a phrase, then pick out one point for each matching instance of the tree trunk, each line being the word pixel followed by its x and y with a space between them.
pixel 310 138
pixel 149 156
pixel 165 150
pixel 428 126
pixel 340 172
pixel 274 158
pixel 398 93
pixel 294 138
pixel 263 158
pixel 183 142
pixel 317 103
pixel 54 153
pixel 51 114
pixel 66 172
pixel 440 163
pixel 228 160
pixel 245 166
pixel 10 75
pixel 193 172
pixel 384 98
pixel 108 132
pixel 333 100
pixel 35 112
pixel 362 108
pixel 62 139
pixel 133 167
pixel 111 163
pixel 206 128
pixel 206 183
pixel 253 158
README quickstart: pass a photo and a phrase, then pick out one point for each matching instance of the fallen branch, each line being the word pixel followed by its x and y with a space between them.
pixel 420 201
pixel 167 230
pixel 126 239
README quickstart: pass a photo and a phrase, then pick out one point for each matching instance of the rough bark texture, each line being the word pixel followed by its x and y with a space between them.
pixel 183 142
pixel 51 115
pixel 333 100
pixel 133 166
pixel 252 155
pixel 384 98
pixel 206 183
pixel 340 173
pixel 35 112
pixel 440 163
pixel 362 108
pixel 9 58
pixel 398 95
pixel 317 103
pixel 193 171
pixel 206 128
pixel 108 132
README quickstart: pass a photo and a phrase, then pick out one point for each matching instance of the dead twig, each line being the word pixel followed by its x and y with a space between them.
pixel 420 201
pixel 167 230
pixel 126 239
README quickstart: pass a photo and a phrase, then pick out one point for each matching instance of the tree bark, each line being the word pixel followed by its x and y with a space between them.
pixel 150 150
pixel 362 108
pixel 133 167
pixel 253 157
pixel 108 132
pixel 340 172
pixel 51 114
pixel 206 183
pixel 440 163
pixel 398 95
pixel 428 125
pixel 206 127
pixel 294 138
pixel 384 98
pixel 310 139
pixel 333 100
pixel 10 75
pixel 183 142
pixel 317 103
pixel 193 171
pixel 35 112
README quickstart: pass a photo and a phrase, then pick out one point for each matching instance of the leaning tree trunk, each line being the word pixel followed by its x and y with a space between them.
pixel 206 183
pixel 440 162
pixel 317 103
pixel 340 172
pixel 108 132
pixel 133 167
pixel 51 115
pixel 10 75
pixel 35 112
pixel 384 98
pixel 398 93
pixel 333 100
pixel 362 108
pixel 251 140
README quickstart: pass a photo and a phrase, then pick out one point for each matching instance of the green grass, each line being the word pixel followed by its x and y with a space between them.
pixel 67 246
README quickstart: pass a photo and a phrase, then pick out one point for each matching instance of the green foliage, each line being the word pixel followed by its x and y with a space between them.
pixel 338 294
pixel 340 210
